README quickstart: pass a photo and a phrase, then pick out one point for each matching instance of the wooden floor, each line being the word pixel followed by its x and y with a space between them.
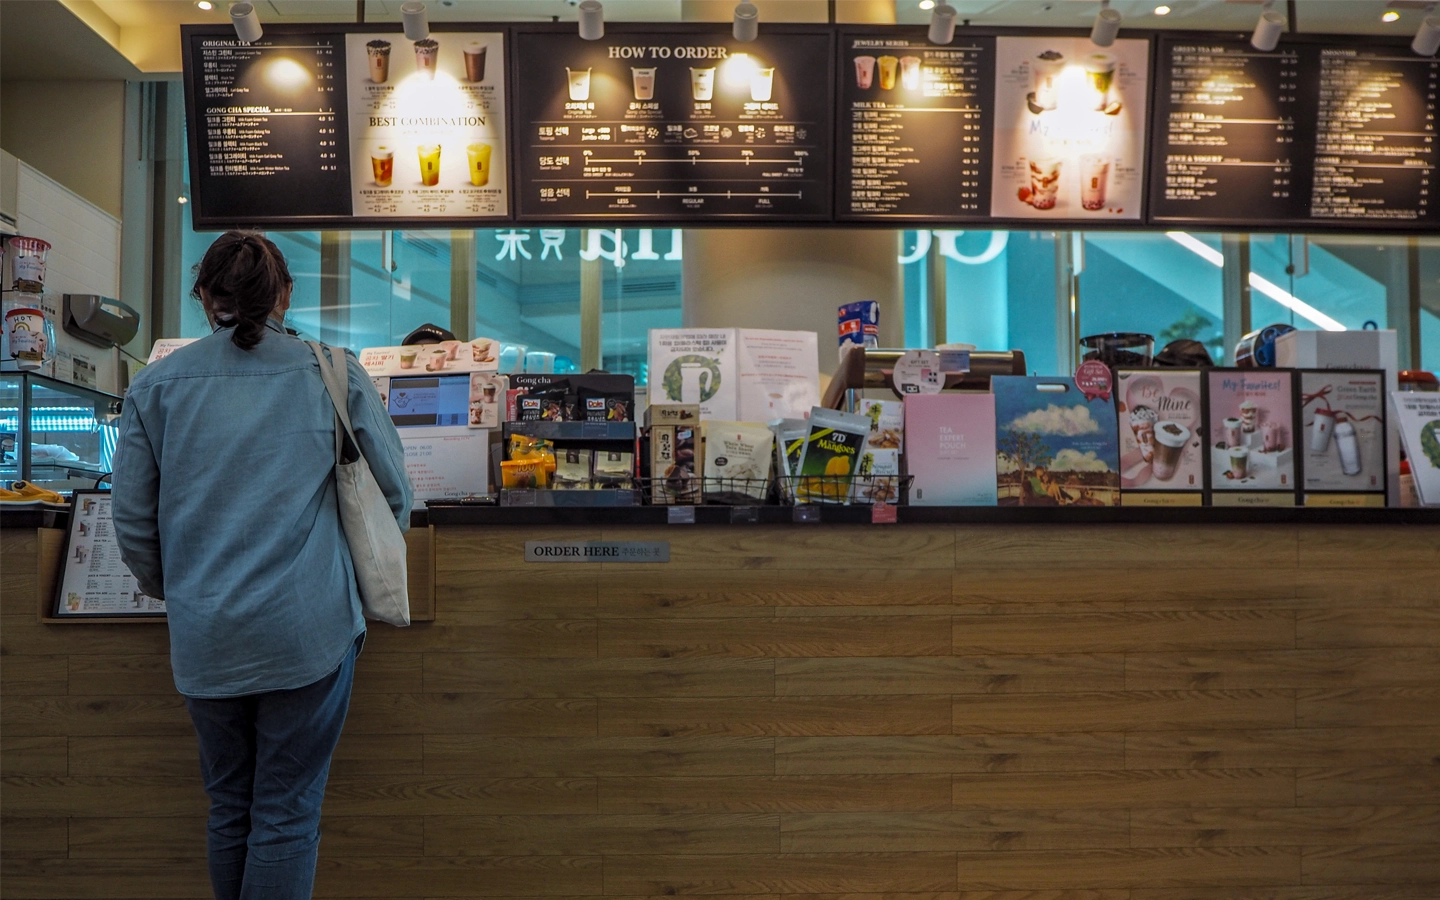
pixel 948 713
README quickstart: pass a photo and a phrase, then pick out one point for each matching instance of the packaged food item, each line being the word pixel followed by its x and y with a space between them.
pixel 1055 444
pixel 673 454
pixel 545 406
pixel 790 437
pixel 887 424
pixel 859 325
pixel 525 447
pixel 572 469
pixel 737 460
pixel 831 456
pixel 605 406
pixel 613 470
pixel 877 480
pixel 524 473
pixel 672 414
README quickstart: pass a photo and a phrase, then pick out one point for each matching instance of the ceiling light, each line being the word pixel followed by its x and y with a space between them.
pixel 1427 39
pixel 1390 15
pixel 1107 25
pixel 246 22
pixel 927 4
pixel 205 5
pixel 592 20
pixel 183 199
pixel 747 22
pixel 1268 29
pixel 1162 10
pixel 942 24
pixel 417 24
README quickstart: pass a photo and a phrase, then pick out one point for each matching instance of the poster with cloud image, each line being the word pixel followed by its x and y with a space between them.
pixel 1069 128
pixel 1054 447
pixel 427 124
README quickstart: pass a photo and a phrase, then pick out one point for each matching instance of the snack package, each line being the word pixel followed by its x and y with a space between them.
pixel 831 456
pixel 790 437
pixel 673 453
pixel 572 470
pixel 613 470
pixel 524 473
pixel 887 424
pixel 672 414
pixel 523 447
pixel 878 477
pixel 598 405
pixel 737 460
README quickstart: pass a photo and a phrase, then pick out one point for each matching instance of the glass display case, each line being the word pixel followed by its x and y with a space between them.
pixel 57 435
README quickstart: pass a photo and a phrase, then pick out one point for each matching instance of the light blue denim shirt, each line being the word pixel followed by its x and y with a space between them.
pixel 224 504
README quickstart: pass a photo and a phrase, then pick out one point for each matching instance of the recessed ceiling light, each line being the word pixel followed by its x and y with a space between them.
pixel 183 199
pixel 205 5
pixel 1162 10
pixel 1390 16
pixel 927 4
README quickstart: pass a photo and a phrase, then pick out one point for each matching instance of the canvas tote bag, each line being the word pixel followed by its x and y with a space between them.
pixel 377 547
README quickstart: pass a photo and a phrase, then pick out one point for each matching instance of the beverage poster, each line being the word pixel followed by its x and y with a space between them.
pixel 427 125
pixel 695 366
pixel 1418 419
pixel 1069 129
pixel 1161 432
pixel 1054 447
pixel 94 580
pixel 1342 432
pixel 1252 438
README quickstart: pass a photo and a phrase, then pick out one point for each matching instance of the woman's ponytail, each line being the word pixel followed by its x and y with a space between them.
pixel 240 282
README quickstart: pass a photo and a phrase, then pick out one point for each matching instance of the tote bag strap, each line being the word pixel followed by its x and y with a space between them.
pixel 336 385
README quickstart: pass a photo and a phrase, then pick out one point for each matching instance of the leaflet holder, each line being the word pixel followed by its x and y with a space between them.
pixel 874 368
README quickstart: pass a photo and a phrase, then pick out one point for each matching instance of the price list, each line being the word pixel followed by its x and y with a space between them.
pixel 1229 122
pixel 915 127
pixel 268 132
pixel 674 126
pixel 1375 150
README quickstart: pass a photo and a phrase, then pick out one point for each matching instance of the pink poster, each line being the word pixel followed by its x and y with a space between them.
pixel 1162 444
pixel 1252 430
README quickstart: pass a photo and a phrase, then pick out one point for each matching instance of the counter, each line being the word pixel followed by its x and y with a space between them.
pixel 985 709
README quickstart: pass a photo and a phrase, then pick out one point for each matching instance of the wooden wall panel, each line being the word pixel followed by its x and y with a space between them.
pixel 973 713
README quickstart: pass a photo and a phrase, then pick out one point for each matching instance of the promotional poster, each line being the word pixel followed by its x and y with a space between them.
pixel 1054 445
pixel 1252 444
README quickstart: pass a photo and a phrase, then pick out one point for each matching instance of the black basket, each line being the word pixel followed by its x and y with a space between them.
pixel 844 490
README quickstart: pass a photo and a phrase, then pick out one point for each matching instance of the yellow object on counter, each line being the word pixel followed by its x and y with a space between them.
pixel 525 473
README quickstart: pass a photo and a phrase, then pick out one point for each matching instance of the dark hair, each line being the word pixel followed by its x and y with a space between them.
pixel 239 282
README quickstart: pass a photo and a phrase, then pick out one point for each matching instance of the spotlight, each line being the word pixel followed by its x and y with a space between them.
pixel 942 24
pixel 246 22
pixel 1107 25
pixel 1427 39
pixel 592 20
pixel 747 22
pixel 417 25
pixel 1162 10
pixel 1268 30
pixel 205 5
pixel 927 4
pixel 1390 15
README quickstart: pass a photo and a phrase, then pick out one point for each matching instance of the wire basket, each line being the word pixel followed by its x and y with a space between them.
pixel 844 490
pixel 694 490
pixel 785 490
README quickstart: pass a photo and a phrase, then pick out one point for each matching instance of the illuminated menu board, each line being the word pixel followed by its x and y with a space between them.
pixel 915 126
pixel 674 125
pixel 1306 135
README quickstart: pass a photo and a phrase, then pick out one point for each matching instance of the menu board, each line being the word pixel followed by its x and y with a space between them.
pixel 346 128
pixel 674 125
pixel 1306 135
pixel 93 579
pixel 915 126
pixel 1070 129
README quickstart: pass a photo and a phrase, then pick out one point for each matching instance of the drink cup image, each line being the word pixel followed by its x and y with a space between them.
pixel 1100 73
pixel 451 348
pixel 1239 462
pixel 435 359
pixel 579 83
pixel 383 162
pixel 482 350
pixel 889 65
pixel 1142 422
pixel 1044 182
pixel 1232 432
pixel 702 82
pixel 1349 446
pixel 1249 415
pixel 475 62
pixel 479 155
pixel 1046 69
pixel 407 357
pixel 910 73
pixel 429 164
pixel 1321 429
pixel 1094 173
pixel 1170 441
pixel 1273 437
pixel 427 56
pixel 643 80
pixel 378 54
pixel 762 83
pixel 488 392
pixel 25 328
pixel 864 72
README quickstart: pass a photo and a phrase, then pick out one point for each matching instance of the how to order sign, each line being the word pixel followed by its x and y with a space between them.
pixel 597 551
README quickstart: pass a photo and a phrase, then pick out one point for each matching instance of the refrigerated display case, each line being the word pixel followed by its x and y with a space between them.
pixel 56 435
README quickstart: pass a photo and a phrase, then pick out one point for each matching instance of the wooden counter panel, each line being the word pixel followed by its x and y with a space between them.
pixel 804 712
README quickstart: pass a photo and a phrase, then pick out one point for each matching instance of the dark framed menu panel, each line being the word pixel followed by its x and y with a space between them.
pixel 1320 133
pixel 347 126
pixel 674 124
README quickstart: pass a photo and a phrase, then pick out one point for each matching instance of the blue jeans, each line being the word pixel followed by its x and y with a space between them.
pixel 265 759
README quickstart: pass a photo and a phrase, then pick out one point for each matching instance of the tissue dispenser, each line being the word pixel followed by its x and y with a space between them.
pixel 99 320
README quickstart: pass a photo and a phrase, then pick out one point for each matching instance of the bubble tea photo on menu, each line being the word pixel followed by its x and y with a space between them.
pixel 579 81
pixel 427 56
pixel 378 53
pixel 643 81
pixel 1100 73
pixel 910 73
pixel 1046 68
pixel 475 62
pixel 762 82
pixel 382 159
pixel 702 82
pixel 479 158
pixel 429 155
pixel 864 72
pixel 1094 173
pixel 888 67
pixel 1044 183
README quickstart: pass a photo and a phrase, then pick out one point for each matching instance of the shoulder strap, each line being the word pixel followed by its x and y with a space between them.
pixel 337 386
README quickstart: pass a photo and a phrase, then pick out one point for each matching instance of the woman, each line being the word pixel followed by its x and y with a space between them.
pixel 225 506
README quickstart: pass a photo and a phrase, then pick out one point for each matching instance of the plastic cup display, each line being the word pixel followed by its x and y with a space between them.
pixel 643 80
pixel 26 256
pixel 864 72
pixel 429 155
pixel 1094 174
pixel 378 55
pixel 475 62
pixel 579 80
pixel 383 162
pixel 1100 73
pixel 1047 68
pixel 910 73
pixel 1321 429
pixel 427 56
pixel 762 83
pixel 479 156
pixel 1170 440
pixel 702 82
pixel 1044 182
pixel 889 65
pixel 1239 462
pixel 26 330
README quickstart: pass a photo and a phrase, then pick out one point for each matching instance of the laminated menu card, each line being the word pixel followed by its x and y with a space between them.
pixel 950 449
pixel 1056 444
pixel 1162 445
pixel 1342 437
pixel 1418 416
pixel 1252 437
